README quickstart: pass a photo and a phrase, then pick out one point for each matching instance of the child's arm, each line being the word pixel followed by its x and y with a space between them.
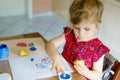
pixel 93 74
pixel 51 49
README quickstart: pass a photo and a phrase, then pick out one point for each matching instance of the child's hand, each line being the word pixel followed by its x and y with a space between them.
pixel 81 69
pixel 80 66
pixel 58 65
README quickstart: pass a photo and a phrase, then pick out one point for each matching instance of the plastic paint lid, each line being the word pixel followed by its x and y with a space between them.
pixel 67 76
pixel 5 76
pixel 4 52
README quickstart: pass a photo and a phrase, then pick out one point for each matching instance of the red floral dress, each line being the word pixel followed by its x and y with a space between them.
pixel 89 51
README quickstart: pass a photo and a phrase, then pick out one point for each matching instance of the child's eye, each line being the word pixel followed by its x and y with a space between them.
pixel 87 29
pixel 76 28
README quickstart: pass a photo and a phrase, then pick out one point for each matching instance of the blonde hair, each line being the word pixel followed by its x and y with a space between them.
pixel 86 9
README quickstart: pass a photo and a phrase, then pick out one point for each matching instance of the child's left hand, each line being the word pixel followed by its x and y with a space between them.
pixel 81 69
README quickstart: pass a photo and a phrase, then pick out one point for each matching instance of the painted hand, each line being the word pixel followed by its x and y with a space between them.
pixel 58 65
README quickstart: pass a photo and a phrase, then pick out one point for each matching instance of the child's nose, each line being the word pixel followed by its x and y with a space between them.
pixel 81 32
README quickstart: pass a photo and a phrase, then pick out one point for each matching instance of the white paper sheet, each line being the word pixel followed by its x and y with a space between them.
pixel 25 68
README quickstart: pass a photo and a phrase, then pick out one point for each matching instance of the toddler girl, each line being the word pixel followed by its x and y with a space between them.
pixel 80 42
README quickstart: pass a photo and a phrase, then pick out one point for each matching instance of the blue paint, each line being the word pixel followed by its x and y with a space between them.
pixel 41 66
pixel 4 51
pixel 44 63
pixel 67 76
pixel 32 59
pixel 33 49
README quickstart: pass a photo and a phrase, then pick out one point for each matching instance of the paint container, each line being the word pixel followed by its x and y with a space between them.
pixel 4 51
pixel 67 76
pixel 5 76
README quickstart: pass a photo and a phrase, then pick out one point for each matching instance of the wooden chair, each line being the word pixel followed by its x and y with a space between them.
pixel 111 68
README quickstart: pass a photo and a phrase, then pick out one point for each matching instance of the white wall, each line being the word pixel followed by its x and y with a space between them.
pixel 12 7
pixel 61 8
pixel 110 29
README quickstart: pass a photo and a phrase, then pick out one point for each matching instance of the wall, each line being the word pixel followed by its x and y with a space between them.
pixel 109 31
pixel 12 7
pixel 61 8
pixel 42 6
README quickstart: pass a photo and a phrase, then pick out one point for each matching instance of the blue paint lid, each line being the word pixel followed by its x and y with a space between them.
pixel 67 76
pixel 4 51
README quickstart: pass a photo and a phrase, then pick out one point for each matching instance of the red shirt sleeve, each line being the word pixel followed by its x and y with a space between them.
pixel 100 52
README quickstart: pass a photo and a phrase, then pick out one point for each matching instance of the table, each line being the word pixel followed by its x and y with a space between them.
pixel 4 64
pixel 5 67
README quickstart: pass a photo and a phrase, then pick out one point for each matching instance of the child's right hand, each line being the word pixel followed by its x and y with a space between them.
pixel 58 65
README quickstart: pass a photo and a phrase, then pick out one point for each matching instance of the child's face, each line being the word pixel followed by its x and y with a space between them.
pixel 85 30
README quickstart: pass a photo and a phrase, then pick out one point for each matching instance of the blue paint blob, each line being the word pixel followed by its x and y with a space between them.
pixel 67 76
pixel 32 59
pixel 33 49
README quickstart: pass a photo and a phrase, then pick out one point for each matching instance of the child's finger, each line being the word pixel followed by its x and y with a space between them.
pixel 63 71
pixel 78 69
pixel 57 70
pixel 52 68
